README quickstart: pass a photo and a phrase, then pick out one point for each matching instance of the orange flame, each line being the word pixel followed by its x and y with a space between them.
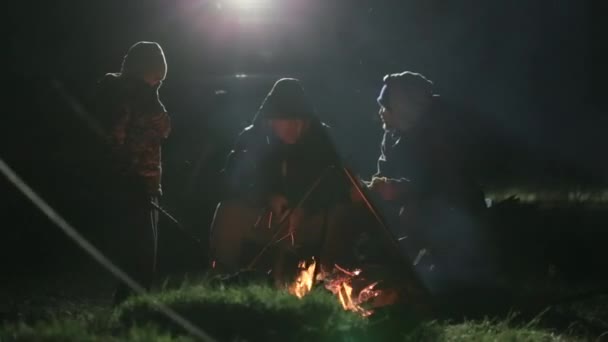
pixel 305 279
pixel 345 296
pixel 340 283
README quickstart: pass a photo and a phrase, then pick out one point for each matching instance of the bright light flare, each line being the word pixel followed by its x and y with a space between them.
pixel 248 5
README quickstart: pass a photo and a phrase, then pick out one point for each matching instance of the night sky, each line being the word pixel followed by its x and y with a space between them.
pixel 530 73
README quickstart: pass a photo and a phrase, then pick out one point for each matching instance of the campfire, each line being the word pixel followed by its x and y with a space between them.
pixel 353 291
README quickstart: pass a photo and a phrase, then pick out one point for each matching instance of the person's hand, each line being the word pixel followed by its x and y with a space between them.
pixel 389 189
pixel 278 204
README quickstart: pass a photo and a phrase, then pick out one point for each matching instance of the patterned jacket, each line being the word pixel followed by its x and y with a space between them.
pixel 136 123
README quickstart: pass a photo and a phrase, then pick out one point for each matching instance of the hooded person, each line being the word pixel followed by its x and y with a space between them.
pixel 282 165
pixel 283 152
pixel 135 123
pixel 425 170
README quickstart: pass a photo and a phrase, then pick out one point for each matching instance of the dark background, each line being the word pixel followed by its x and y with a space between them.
pixel 531 75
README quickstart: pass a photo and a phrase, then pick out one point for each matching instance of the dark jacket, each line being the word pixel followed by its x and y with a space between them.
pixel 260 166
pixel 435 160
pixel 443 209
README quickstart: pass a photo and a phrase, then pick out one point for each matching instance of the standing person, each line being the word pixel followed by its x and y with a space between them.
pixel 424 169
pixel 136 123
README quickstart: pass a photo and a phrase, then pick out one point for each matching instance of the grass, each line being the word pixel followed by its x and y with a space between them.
pixel 252 312
pixel 75 331
pixel 260 313
pixel 487 330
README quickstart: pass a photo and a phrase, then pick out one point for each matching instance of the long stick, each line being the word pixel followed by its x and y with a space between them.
pixel 371 207
pixel 401 256
pixel 175 222
pixel 284 219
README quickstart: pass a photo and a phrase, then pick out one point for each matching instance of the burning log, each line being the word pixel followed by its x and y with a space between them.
pixel 347 286
pixel 354 292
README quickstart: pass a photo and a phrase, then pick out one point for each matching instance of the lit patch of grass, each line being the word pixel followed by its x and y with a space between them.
pixel 252 312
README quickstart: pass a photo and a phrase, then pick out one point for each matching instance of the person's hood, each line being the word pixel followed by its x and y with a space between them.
pixel 286 100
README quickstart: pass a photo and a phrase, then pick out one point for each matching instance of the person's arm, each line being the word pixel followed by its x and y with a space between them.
pixel 160 120
pixel 239 168
pixel 112 112
pixel 380 164
pixel 388 187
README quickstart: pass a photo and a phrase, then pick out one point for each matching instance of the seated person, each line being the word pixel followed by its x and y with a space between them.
pixel 282 169
pixel 424 170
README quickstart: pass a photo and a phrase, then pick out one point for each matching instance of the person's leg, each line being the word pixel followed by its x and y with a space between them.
pixel 137 243
pixel 154 218
pixel 124 245
pixel 145 242
pixel 233 226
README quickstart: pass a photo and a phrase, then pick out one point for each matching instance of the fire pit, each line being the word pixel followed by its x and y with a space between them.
pixel 355 291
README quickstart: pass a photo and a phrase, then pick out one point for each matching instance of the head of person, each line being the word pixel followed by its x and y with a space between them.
pixel 286 111
pixel 405 97
pixel 145 61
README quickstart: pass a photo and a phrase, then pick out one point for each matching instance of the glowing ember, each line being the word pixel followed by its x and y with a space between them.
pixel 305 279
pixel 368 293
pixel 340 283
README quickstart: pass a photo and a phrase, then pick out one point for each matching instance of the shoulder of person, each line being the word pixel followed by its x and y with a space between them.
pixel 109 86
pixel 247 132
pixel 324 125
pixel 451 119
pixel 248 136
pixel 109 80
pixel 318 127
pixel 320 132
